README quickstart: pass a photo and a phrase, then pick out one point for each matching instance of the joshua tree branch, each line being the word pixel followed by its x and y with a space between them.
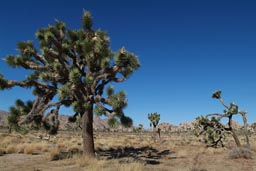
pixel 223 103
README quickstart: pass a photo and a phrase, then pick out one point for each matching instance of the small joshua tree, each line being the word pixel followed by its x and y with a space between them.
pixel 154 119
pixel 212 127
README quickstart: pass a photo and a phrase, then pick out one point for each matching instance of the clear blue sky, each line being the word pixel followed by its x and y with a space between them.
pixel 187 49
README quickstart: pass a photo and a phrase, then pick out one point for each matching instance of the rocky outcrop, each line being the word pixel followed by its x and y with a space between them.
pixel 102 124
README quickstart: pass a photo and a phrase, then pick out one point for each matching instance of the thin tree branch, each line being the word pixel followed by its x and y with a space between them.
pixel 223 103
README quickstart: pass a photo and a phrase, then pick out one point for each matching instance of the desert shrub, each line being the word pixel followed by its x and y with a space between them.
pixel 240 152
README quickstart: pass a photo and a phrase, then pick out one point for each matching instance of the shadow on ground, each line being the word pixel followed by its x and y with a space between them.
pixel 147 155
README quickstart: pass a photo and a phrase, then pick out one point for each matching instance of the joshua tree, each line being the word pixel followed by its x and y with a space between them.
pixel 214 129
pixel 76 66
pixel 154 119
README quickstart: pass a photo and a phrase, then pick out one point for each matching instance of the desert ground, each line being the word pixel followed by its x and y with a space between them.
pixel 124 151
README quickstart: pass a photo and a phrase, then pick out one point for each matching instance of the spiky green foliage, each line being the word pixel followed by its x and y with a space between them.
pixel 118 100
pixel 126 121
pixel 75 66
pixel 99 110
pixel 3 82
pixel 113 122
pixel 216 94
pixel 21 109
pixel 77 120
pixel 110 91
pixel 214 130
pixel 17 111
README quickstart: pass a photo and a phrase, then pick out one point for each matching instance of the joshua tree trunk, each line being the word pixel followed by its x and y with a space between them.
pixel 246 130
pixel 238 144
pixel 87 131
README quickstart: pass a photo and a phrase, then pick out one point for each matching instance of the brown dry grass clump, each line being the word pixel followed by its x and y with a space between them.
pixel 11 149
pixel 240 152
pixel 22 144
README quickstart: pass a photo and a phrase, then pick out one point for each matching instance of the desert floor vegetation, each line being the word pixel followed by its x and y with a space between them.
pixel 121 151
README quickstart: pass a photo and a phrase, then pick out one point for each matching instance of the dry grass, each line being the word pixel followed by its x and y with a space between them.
pixel 198 169
pixel 240 152
pixel 22 144
pixel 11 149
pixel 119 151
pixel 128 167
pixel 36 148
pixel 20 148
pixel 54 154
pixel 93 164
pixel 86 161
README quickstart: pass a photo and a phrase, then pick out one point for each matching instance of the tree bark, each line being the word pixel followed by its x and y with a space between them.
pixel 238 144
pixel 246 130
pixel 87 132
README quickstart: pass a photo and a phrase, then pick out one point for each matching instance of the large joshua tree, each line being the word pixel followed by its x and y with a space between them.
pixel 76 66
